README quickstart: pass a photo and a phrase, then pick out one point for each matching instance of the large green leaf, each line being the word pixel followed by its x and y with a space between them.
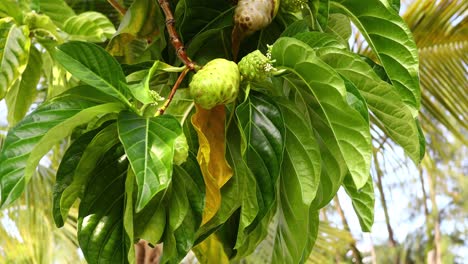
pixel 101 233
pixel 94 66
pixel 340 26
pixel 391 40
pixel 363 202
pixel 24 91
pixel 71 185
pixel 302 152
pixel 14 53
pixel 297 225
pixel 319 39
pixel 384 102
pixel 196 16
pixel 64 176
pixel 348 127
pixel 33 137
pixel 149 144
pixel 190 181
pixel 263 128
pixel 57 10
pixel 89 26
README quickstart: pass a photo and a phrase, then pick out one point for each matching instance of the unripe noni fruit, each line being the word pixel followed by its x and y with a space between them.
pixel 181 149
pixel 215 84
pixel 255 66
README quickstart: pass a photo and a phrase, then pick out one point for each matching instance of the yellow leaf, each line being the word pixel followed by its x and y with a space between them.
pixel 211 251
pixel 210 127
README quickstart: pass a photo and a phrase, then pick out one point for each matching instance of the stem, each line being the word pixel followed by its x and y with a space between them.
pixel 118 6
pixel 356 253
pixel 175 40
pixel 383 200
pixel 173 91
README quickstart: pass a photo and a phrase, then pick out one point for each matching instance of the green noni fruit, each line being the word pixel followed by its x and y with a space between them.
pixel 181 150
pixel 215 84
pixel 255 66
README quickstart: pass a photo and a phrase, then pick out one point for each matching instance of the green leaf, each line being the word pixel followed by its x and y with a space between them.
pixel 89 26
pixel 94 66
pixel 302 153
pixel 24 91
pixel 57 10
pixel 190 181
pixel 318 40
pixel 333 168
pixel 349 129
pixel 9 8
pixel 66 170
pixel 363 202
pixel 151 222
pixel 33 137
pixel 128 214
pixel 297 225
pixel 340 26
pixel 299 26
pixel 382 99
pixel 392 42
pixel 70 185
pixel 149 144
pixel 196 16
pixel 101 233
pixel 263 127
pixel 422 140
pixel 14 53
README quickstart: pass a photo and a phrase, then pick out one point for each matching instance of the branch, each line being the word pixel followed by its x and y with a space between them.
pixel 118 6
pixel 173 91
pixel 175 40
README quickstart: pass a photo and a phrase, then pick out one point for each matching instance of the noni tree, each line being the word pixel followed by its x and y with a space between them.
pixel 204 125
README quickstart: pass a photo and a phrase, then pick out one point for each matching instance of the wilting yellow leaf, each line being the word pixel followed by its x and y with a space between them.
pixel 211 251
pixel 210 127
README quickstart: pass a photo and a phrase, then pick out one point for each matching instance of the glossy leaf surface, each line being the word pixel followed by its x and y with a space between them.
pixel 101 233
pixel 149 144
pixel 94 66
pixel 349 129
pixel 392 42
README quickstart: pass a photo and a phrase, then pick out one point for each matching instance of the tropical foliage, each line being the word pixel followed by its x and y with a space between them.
pixel 268 161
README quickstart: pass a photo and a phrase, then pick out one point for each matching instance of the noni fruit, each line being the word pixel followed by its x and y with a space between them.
pixel 215 84
pixel 255 66
pixel 181 150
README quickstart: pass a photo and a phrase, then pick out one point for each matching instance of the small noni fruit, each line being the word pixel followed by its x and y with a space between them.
pixel 181 149
pixel 215 84
pixel 255 66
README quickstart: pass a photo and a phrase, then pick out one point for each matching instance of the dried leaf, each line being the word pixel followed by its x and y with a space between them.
pixel 210 127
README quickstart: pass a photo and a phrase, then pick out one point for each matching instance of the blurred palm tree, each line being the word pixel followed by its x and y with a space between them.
pixel 440 29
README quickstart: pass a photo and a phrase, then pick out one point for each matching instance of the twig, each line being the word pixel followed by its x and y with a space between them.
pixel 174 36
pixel 173 91
pixel 118 6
